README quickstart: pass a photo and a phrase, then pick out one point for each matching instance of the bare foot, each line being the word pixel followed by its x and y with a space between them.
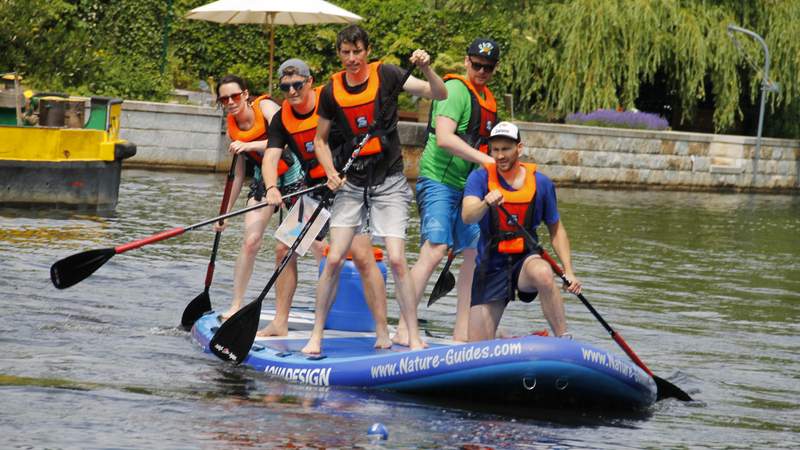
pixel 400 337
pixel 418 344
pixel 461 338
pixel 383 342
pixel 227 314
pixel 273 329
pixel 313 347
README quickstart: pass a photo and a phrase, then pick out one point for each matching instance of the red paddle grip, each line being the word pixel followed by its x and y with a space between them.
pixel 209 273
pixel 149 240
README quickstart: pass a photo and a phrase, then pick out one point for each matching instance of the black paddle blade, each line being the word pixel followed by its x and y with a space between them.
pixel 234 338
pixel 445 282
pixel 195 309
pixel 443 285
pixel 669 390
pixel 73 269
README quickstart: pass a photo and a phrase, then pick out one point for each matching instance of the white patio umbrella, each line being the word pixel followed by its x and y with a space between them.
pixel 270 13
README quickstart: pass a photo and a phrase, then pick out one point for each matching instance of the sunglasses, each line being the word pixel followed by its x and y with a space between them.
pixel 297 85
pixel 487 68
pixel 223 100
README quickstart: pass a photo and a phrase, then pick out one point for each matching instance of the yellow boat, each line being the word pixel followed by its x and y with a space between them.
pixel 61 161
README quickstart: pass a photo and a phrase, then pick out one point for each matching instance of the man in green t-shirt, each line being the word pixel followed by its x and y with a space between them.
pixel 458 130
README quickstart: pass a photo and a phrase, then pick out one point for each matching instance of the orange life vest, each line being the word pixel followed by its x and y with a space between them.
pixel 359 110
pixel 509 239
pixel 302 133
pixel 483 117
pixel 258 132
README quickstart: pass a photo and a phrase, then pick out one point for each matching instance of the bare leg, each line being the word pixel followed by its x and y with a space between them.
pixel 285 287
pixel 404 289
pixel 464 293
pixel 341 237
pixel 430 255
pixel 374 287
pixel 255 222
pixel 537 274
pixel 317 248
pixel 484 319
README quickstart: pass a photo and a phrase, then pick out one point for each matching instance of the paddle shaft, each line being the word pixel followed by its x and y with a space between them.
pixel 451 255
pixel 180 230
pixel 226 195
pixel 557 269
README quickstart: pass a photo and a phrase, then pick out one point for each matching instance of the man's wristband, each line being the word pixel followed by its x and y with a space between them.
pixel 271 187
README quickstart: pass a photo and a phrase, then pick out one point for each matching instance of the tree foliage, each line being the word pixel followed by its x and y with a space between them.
pixel 582 55
pixel 559 56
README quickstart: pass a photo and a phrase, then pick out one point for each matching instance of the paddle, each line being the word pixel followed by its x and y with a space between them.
pixel 202 303
pixel 75 268
pixel 665 388
pixel 445 282
pixel 235 337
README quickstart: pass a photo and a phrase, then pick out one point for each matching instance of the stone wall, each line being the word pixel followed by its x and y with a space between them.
pixel 618 158
pixel 171 136
pixel 192 137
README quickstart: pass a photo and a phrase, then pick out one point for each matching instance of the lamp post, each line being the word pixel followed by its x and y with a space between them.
pixel 765 86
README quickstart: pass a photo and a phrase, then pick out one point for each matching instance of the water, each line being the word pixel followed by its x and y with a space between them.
pixel 704 287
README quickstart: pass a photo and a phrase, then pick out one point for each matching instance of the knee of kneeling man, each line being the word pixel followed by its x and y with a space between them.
pixel 542 275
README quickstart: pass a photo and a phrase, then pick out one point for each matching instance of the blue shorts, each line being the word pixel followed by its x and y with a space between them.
pixel 440 216
pixel 501 284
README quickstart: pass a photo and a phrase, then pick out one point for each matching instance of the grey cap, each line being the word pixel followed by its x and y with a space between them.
pixel 299 66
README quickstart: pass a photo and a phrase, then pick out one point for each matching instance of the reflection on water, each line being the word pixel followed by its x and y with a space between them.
pixel 704 287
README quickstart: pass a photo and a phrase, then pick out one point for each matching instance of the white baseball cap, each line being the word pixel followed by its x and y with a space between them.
pixel 506 130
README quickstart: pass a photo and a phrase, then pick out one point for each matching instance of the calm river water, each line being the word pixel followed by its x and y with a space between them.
pixel 704 287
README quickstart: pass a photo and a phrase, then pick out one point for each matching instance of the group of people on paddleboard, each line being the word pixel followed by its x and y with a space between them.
pixel 473 192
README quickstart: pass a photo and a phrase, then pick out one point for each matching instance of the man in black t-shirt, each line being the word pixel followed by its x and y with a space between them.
pixel 362 99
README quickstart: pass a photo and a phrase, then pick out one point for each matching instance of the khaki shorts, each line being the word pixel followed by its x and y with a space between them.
pixel 387 214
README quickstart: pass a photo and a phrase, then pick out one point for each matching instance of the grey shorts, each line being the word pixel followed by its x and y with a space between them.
pixel 387 214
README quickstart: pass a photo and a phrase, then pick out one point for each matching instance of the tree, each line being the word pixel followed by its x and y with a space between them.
pixel 673 57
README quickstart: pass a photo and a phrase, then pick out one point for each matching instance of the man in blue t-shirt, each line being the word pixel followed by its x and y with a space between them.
pixel 506 264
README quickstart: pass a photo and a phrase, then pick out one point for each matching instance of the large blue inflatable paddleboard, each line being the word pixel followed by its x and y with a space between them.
pixel 530 371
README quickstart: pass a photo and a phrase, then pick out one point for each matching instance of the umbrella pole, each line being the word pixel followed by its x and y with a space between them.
pixel 271 47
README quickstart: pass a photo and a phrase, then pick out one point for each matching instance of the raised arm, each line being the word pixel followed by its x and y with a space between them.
pixel 434 87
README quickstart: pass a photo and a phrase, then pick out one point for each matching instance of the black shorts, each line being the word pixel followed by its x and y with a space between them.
pixel 501 284
pixel 258 192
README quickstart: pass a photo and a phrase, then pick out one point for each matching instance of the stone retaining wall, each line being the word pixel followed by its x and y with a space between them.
pixel 610 157
pixel 171 136
pixel 618 158
pixel 192 137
